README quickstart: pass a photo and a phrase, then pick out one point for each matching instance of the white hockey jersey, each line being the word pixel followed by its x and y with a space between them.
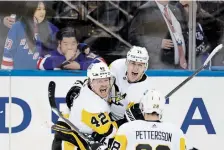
pixel 90 112
pixel 141 134
pixel 134 91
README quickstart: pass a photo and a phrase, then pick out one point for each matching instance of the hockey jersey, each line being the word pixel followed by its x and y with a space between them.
pixel 134 91
pixel 17 54
pixel 55 59
pixel 90 113
pixel 148 135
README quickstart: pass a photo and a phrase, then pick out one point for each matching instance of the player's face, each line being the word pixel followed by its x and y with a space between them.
pixel 68 45
pixel 40 12
pixel 135 71
pixel 101 87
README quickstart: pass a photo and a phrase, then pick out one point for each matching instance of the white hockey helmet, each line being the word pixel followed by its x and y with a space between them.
pixel 98 70
pixel 138 54
pixel 151 102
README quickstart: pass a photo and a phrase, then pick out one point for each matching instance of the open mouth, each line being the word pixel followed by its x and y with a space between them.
pixel 134 74
pixel 103 90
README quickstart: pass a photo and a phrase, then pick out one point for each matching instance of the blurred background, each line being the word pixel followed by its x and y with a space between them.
pixel 110 28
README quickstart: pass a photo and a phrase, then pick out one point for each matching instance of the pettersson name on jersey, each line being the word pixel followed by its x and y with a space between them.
pixel 153 135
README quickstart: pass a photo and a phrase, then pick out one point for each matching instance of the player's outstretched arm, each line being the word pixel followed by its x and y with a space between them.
pixel 74 92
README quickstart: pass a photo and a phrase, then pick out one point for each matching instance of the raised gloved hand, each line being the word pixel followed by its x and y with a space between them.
pixel 73 93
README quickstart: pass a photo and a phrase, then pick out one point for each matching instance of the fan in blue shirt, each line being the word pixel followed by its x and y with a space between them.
pixel 70 55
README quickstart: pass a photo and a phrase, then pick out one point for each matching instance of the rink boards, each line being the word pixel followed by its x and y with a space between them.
pixel 25 114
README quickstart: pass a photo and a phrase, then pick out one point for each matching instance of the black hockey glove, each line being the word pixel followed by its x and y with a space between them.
pixel 98 137
pixel 134 113
pixel 73 93
pixel 102 139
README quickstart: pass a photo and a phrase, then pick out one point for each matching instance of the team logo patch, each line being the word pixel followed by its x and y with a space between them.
pixel 8 44
pixel 154 126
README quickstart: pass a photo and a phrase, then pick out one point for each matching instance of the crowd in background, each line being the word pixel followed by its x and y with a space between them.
pixel 52 35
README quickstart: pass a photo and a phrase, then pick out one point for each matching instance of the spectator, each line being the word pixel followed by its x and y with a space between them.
pixel 157 28
pixel 10 11
pixel 28 38
pixel 201 40
pixel 213 23
pixel 69 54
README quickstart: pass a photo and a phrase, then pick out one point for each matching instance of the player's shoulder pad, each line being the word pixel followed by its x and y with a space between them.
pixel 99 122
pixel 118 67
pixel 117 63
pixel 135 96
pixel 97 104
pixel 128 126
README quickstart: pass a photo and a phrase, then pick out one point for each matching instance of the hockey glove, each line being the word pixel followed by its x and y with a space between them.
pixel 134 113
pixel 73 93
pixel 104 138
pixel 106 142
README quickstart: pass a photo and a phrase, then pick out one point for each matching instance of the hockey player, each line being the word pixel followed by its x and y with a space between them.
pixel 130 78
pixel 149 133
pixel 89 111
pixel 131 81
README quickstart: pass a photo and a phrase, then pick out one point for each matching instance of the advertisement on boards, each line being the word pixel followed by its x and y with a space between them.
pixel 196 109
pixel 4 113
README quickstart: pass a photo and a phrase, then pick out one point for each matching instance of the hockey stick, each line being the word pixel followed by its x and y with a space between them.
pixel 57 128
pixel 216 50
pixel 51 96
